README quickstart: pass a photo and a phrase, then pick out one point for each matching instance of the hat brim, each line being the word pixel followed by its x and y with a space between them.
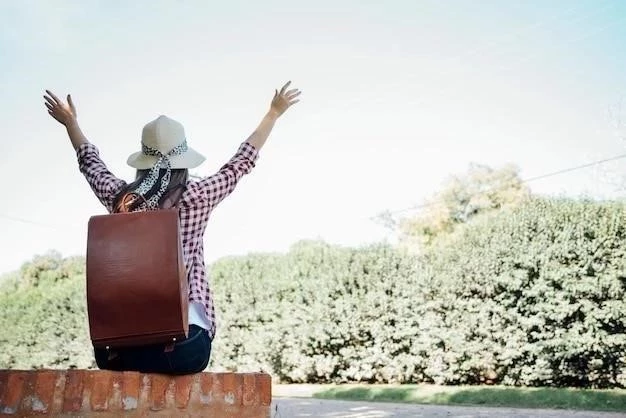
pixel 190 159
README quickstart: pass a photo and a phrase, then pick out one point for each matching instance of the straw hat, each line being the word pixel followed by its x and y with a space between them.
pixel 164 139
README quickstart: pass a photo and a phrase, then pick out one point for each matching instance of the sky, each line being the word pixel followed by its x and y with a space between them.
pixel 396 97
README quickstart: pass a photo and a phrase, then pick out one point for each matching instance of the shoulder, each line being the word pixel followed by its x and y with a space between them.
pixel 192 195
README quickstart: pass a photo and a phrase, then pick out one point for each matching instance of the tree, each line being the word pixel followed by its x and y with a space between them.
pixel 480 191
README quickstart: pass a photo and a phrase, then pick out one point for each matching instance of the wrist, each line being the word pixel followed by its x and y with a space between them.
pixel 71 122
pixel 272 114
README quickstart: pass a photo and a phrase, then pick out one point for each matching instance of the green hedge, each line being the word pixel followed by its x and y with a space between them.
pixel 43 319
pixel 534 296
pixel 531 296
pixel 318 314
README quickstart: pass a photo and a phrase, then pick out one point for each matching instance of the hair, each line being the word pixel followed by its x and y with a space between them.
pixel 178 183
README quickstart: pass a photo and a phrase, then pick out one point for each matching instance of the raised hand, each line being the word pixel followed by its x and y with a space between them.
pixel 64 113
pixel 284 99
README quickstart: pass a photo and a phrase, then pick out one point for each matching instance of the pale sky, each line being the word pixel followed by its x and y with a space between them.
pixel 397 95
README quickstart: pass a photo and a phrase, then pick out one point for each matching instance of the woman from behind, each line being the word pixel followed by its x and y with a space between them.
pixel 163 182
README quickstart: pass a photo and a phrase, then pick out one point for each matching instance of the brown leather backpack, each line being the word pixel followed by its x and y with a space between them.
pixel 136 279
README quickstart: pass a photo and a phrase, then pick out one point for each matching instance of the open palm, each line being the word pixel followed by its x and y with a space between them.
pixel 64 113
pixel 284 99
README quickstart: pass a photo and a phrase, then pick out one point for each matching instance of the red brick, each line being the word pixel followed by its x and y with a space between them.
pixel 131 385
pixel 232 384
pixel 183 390
pixel 250 394
pixel 73 396
pixel 59 388
pixel 210 388
pixel 43 394
pixel 210 398
pixel 28 395
pixel 160 384
pixel 264 388
pixel 13 393
pixel 4 377
pixel 115 397
pixel 100 390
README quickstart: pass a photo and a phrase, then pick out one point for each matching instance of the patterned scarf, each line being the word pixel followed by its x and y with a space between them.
pixel 150 180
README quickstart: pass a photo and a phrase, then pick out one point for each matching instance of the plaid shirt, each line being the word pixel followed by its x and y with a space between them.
pixel 196 204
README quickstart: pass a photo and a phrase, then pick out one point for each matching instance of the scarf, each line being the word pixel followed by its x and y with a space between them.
pixel 150 180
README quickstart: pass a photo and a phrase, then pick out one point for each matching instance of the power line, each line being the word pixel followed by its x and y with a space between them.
pixel 26 221
pixel 566 170
pixel 528 180
pixel 412 208
pixel 35 223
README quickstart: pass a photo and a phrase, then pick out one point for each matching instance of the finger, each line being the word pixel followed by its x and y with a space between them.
pixel 282 90
pixel 292 95
pixel 56 99
pixel 49 106
pixel 71 103
pixel 275 93
pixel 53 116
pixel 49 100
pixel 292 91
pixel 293 103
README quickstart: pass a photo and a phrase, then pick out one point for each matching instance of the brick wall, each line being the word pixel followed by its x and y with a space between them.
pixel 99 393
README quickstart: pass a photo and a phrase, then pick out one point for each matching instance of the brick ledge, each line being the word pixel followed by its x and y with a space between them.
pixel 103 393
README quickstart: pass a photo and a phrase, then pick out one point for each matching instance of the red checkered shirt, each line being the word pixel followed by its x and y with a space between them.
pixel 196 205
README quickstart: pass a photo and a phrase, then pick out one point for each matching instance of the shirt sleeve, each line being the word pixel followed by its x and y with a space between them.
pixel 213 189
pixel 103 183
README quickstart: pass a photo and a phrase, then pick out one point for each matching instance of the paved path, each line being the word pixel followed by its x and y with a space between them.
pixel 319 408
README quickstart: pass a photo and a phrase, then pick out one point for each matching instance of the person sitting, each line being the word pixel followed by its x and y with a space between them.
pixel 162 181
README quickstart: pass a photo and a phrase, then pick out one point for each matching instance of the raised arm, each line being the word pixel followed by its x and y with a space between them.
pixel 280 103
pixel 104 184
pixel 215 188
pixel 65 114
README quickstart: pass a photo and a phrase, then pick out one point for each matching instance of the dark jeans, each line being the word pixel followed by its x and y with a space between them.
pixel 187 356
